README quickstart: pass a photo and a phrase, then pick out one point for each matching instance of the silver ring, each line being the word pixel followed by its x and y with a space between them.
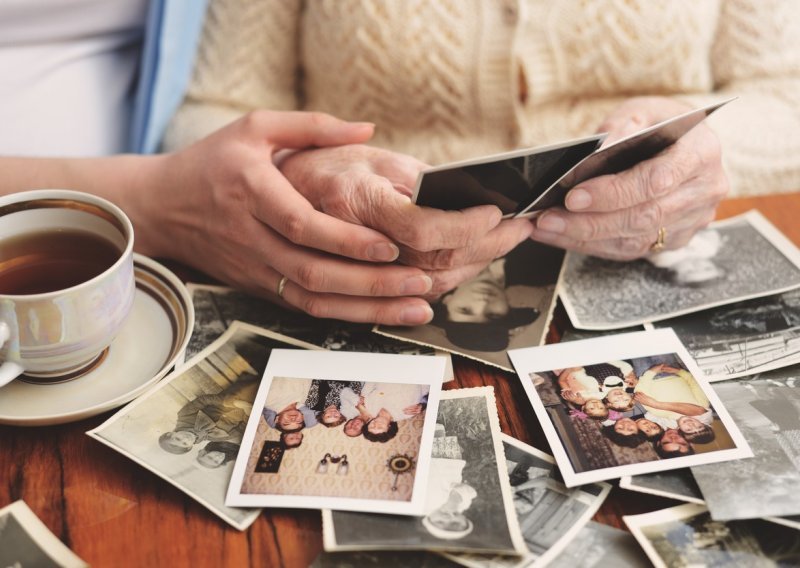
pixel 282 285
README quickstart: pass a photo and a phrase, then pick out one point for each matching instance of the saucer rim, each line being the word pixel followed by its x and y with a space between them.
pixel 179 288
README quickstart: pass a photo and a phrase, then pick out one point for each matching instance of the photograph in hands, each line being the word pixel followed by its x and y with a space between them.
pixel 736 259
pixel 469 507
pixel 626 405
pixel 188 428
pixel 508 305
pixel 351 431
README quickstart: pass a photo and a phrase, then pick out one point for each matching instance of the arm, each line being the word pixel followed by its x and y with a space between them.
pixel 684 408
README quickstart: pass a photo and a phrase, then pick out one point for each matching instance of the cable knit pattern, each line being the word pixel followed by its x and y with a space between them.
pixel 451 79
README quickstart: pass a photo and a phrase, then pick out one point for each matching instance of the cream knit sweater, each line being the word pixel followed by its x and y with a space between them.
pixel 450 79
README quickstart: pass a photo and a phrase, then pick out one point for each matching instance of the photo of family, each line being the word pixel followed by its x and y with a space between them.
pixel 507 305
pixel 732 260
pixel 189 427
pixel 357 440
pixel 629 404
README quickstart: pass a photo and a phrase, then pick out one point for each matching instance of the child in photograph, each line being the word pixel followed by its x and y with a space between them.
pixel 285 408
pixel 673 444
pixel 217 454
pixel 695 431
pixel 624 432
pixel 324 397
pixel 380 407
pixel 212 417
pixel 291 440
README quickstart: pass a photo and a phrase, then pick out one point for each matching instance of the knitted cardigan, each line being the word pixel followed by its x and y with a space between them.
pixel 451 79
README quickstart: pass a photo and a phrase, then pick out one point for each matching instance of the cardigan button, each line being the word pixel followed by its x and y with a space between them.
pixel 510 12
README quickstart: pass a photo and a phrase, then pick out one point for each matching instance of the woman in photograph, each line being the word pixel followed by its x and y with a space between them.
pixel 325 397
pixel 624 432
pixel 382 405
pixel 649 429
pixel 695 431
pixel 217 454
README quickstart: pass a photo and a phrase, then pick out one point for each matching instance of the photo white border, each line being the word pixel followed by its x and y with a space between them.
pixel 613 347
pixel 48 543
pixel 636 523
pixel 347 366
pixel 759 223
pixel 235 327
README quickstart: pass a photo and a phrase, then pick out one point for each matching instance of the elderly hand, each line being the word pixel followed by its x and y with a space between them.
pixel 619 216
pixel 222 206
pixel 372 187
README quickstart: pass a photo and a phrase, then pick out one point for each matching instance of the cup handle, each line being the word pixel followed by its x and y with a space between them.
pixel 8 370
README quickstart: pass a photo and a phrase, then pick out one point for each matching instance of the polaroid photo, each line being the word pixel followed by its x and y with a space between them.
pixel 549 513
pixel 744 338
pixel 508 305
pixel 187 429
pixel 768 415
pixel 686 535
pixel 732 260
pixel 626 405
pixel 510 180
pixel 469 507
pixel 601 546
pixel 622 155
pixel 216 307
pixel 378 422
pixel 26 541
pixel 678 484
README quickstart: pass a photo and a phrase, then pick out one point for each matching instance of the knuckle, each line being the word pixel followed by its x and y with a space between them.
pixel 633 248
pixel 443 282
pixel 293 226
pixel 311 276
pixel 445 259
pixel 377 287
pixel 645 218
pixel 659 179
pixel 315 306
pixel 319 119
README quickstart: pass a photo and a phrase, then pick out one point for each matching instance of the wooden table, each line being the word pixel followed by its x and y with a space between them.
pixel 112 512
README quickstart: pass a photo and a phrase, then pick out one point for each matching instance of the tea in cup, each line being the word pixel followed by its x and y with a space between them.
pixel 66 282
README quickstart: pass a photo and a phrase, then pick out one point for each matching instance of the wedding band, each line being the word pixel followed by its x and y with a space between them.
pixel 282 285
pixel 660 240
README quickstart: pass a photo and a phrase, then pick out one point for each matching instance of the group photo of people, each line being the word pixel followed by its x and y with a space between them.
pixel 335 437
pixel 622 412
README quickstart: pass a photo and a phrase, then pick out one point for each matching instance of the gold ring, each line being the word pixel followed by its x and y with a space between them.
pixel 282 285
pixel 660 240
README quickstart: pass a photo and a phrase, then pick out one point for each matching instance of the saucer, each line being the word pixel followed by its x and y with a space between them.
pixel 150 343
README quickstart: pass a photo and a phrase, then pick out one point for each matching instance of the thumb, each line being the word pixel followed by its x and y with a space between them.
pixel 295 129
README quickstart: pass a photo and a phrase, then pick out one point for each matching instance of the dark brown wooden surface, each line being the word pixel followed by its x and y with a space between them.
pixel 112 512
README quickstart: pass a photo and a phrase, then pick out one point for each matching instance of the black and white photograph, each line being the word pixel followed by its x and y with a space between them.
pixel 678 484
pixel 507 305
pixel 768 414
pixel 26 541
pixel 351 431
pixel 511 180
pixel 624 405
pixel 189 427
pixel 550 515
pixel 736 259
pixel 600 546
pixel 216 307
pixel 469 505
pixel 743 338
pixel 686 535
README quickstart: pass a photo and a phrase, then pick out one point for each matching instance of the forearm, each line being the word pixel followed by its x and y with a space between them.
pixel 684 408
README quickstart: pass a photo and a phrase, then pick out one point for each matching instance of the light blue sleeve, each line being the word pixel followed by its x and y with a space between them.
pixel 171 38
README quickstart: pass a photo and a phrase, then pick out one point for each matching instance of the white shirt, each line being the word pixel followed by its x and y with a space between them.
pixel 67 75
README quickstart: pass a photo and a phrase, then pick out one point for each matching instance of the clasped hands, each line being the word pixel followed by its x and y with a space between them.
pixel 299 195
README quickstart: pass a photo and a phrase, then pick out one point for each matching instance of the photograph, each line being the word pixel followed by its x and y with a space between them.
pixel 216 307
pixel 732 260
pixel 508 305
pixel 511 181
pixel 768 414
pixel 743 338
pixel 686 535
pixel 550 515
pixel 626 404
pixel 26 541
pixel 601 546
pixel 469 507
pixel 187 429
pixel 351 431
pixel 678 484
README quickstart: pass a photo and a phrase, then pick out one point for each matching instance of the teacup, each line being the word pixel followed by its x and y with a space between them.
pixel 66 282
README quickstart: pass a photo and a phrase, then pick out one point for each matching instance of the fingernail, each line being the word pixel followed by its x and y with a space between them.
pixel 383 252
pixel 416 285
pixel 552 223
pixel 416 315
pixel 578 199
